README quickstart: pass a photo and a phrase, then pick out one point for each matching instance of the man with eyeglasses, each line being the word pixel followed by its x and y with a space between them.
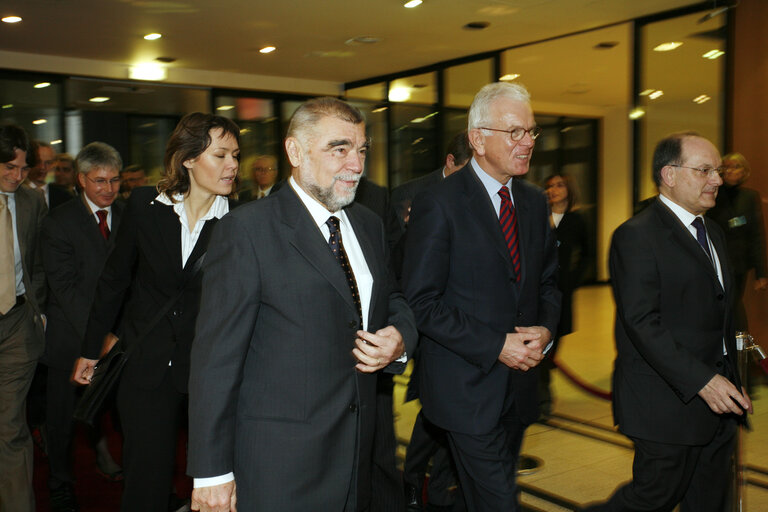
pixel 264 176
pixel 76 240
pixel 676 389
pixel 480 275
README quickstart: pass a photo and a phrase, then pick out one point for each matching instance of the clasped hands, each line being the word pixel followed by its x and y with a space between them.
pixel 524 348
pixel 375 351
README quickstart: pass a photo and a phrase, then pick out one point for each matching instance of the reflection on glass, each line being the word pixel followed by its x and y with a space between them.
pixel 414 89
pixel 22 103
pixel 375 92
pixel 463 81
pixel 413 148
pixel 691 83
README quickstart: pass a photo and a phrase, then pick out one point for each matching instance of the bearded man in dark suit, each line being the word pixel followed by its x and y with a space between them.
pixel 292 333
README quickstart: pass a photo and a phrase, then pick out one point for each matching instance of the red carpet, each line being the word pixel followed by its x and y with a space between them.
pixel 94 492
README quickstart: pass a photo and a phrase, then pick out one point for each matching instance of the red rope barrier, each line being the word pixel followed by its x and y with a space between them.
pixel 586 386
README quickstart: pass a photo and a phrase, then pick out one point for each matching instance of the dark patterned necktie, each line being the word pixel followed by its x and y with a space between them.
pixel 508 221
pixel 337 247
pixel 103 227
pixel 701 236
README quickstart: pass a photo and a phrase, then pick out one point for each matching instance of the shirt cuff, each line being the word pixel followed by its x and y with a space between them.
pixel 214 480
pixel 403 358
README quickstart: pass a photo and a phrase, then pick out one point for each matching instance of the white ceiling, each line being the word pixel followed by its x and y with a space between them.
pixel 310 35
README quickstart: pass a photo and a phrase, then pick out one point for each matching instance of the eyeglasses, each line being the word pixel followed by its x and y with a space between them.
pixel 101 182
pixel 705 172
pixel 264 169
pixel 517 134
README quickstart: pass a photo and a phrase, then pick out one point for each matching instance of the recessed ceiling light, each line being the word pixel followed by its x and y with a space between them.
pixel 39 121
pixel 42 85
pixel 606 45
pixel 656 94
pixel 668 47
pixel 99 99
pixel 225 107
pixel 267 49
pixel 476 25
pixel 701 99
pixel 153 36
pixel 11 19
pixel 713 54
pixel 57 141
pixel 636 113
pixel 147 71
pixel 362 40
pixel 165 60
pixel 509 77
pixel 412 3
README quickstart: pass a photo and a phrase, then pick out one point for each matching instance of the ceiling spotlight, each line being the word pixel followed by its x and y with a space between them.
pixel 267 49
pixel 11 19
pixel 476 25
pixel 656 94
pixel 42 85
pixel 701 99
pixel 153 36
pixel 412 3
pixel 636 113
pixel 57 141
pixel 225 107
pixel 713 54
pixel 509 77
pixel 39 121
pixel 99 99
pixel 668 47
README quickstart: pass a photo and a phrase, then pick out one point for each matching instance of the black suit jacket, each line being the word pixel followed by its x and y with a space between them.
pixel 147 263
pixel 274 395
pixel 672 317
pixel 58 196
pixel 74 253
pixel 458 278
pixel 573 254
pixel 402 196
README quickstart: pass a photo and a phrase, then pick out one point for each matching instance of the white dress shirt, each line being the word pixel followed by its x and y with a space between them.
pixel 95 208
pixel 18 267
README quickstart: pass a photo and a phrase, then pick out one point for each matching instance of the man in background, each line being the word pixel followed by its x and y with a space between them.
pixel 131 177
pixel 264 176
pixel 37 179
pixel 64 173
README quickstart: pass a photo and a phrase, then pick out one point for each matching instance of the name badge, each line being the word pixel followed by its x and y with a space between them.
pixel 737 221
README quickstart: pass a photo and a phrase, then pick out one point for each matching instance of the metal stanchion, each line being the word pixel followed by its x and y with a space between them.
pixel 746 348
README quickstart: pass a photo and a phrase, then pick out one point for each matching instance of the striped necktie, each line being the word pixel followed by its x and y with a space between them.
pixel 508 221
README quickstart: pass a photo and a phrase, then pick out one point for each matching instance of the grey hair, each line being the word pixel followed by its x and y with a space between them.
pixel 98 154
pixel 311 112
pixel 480 111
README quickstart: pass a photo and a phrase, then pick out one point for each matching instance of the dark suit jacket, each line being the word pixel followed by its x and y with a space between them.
pixel 58 196
pixel 573 254
pixel 672 316
pixel 402 196
pixel 274 395
pixel 74 253
pixel 458 278
pixel 147 262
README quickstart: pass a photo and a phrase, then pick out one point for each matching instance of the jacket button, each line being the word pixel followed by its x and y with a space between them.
pixel 719 364
pixel 519 314
pixel 352 324
pixel 352 408
pixel 176 312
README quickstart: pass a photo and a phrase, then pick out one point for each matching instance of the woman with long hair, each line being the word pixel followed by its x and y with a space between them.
pixel 151 286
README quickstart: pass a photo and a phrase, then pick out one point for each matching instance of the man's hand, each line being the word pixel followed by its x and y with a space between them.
pixel 217 498
pixel 723 397
pixel 524 348
pixel 84 370
pixel 376 350
pixel 761 284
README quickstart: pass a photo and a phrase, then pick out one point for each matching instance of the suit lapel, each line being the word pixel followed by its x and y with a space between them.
pixel 168 222
pixel 23 221
pixel 309 241
pixel 201 245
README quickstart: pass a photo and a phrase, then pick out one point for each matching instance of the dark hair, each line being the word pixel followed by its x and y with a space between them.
pixel 189 140
pixel 669 150
pixel 13 137
pixel 311 112
pixel 459 147
pixel 570 186
pixel 132 168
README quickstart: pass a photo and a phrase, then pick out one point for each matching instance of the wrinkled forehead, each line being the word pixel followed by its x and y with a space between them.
pixel 698 151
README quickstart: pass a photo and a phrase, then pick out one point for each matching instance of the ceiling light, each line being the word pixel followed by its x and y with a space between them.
pixel 39 121
pixel 362 40
pixel 509 77
pixel 647 92
pixel 8 105
pixel 377 110
pixel 244 130
pixel 417 120
pixel 412 3
pixel 399 94
pixel 99 99
pixel 713 54
pixel 57 141
pixel 701 99
pixel 668 47
pixel 267 49
pixel 11 19
pixel 42 85
pixel 636 113
pixel 656 94
pixel 153 36
pixel 225 107
pixel 147 71
pixel 476 25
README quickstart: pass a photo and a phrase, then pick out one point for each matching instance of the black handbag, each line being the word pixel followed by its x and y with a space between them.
pixel 106 373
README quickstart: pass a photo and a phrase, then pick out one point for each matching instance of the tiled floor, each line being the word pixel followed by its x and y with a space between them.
pixel 585 463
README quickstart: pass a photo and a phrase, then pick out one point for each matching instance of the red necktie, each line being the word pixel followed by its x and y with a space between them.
pixel 103 227
pixel 508 221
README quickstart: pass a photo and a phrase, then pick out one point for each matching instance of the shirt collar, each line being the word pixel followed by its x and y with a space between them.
pixel 491 185
pixel 681 213
pixel 319 213
pixel 218 209
pixel 93 207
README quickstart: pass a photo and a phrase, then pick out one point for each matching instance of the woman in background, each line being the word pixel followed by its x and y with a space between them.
pixel 153 277
pixel 573 256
